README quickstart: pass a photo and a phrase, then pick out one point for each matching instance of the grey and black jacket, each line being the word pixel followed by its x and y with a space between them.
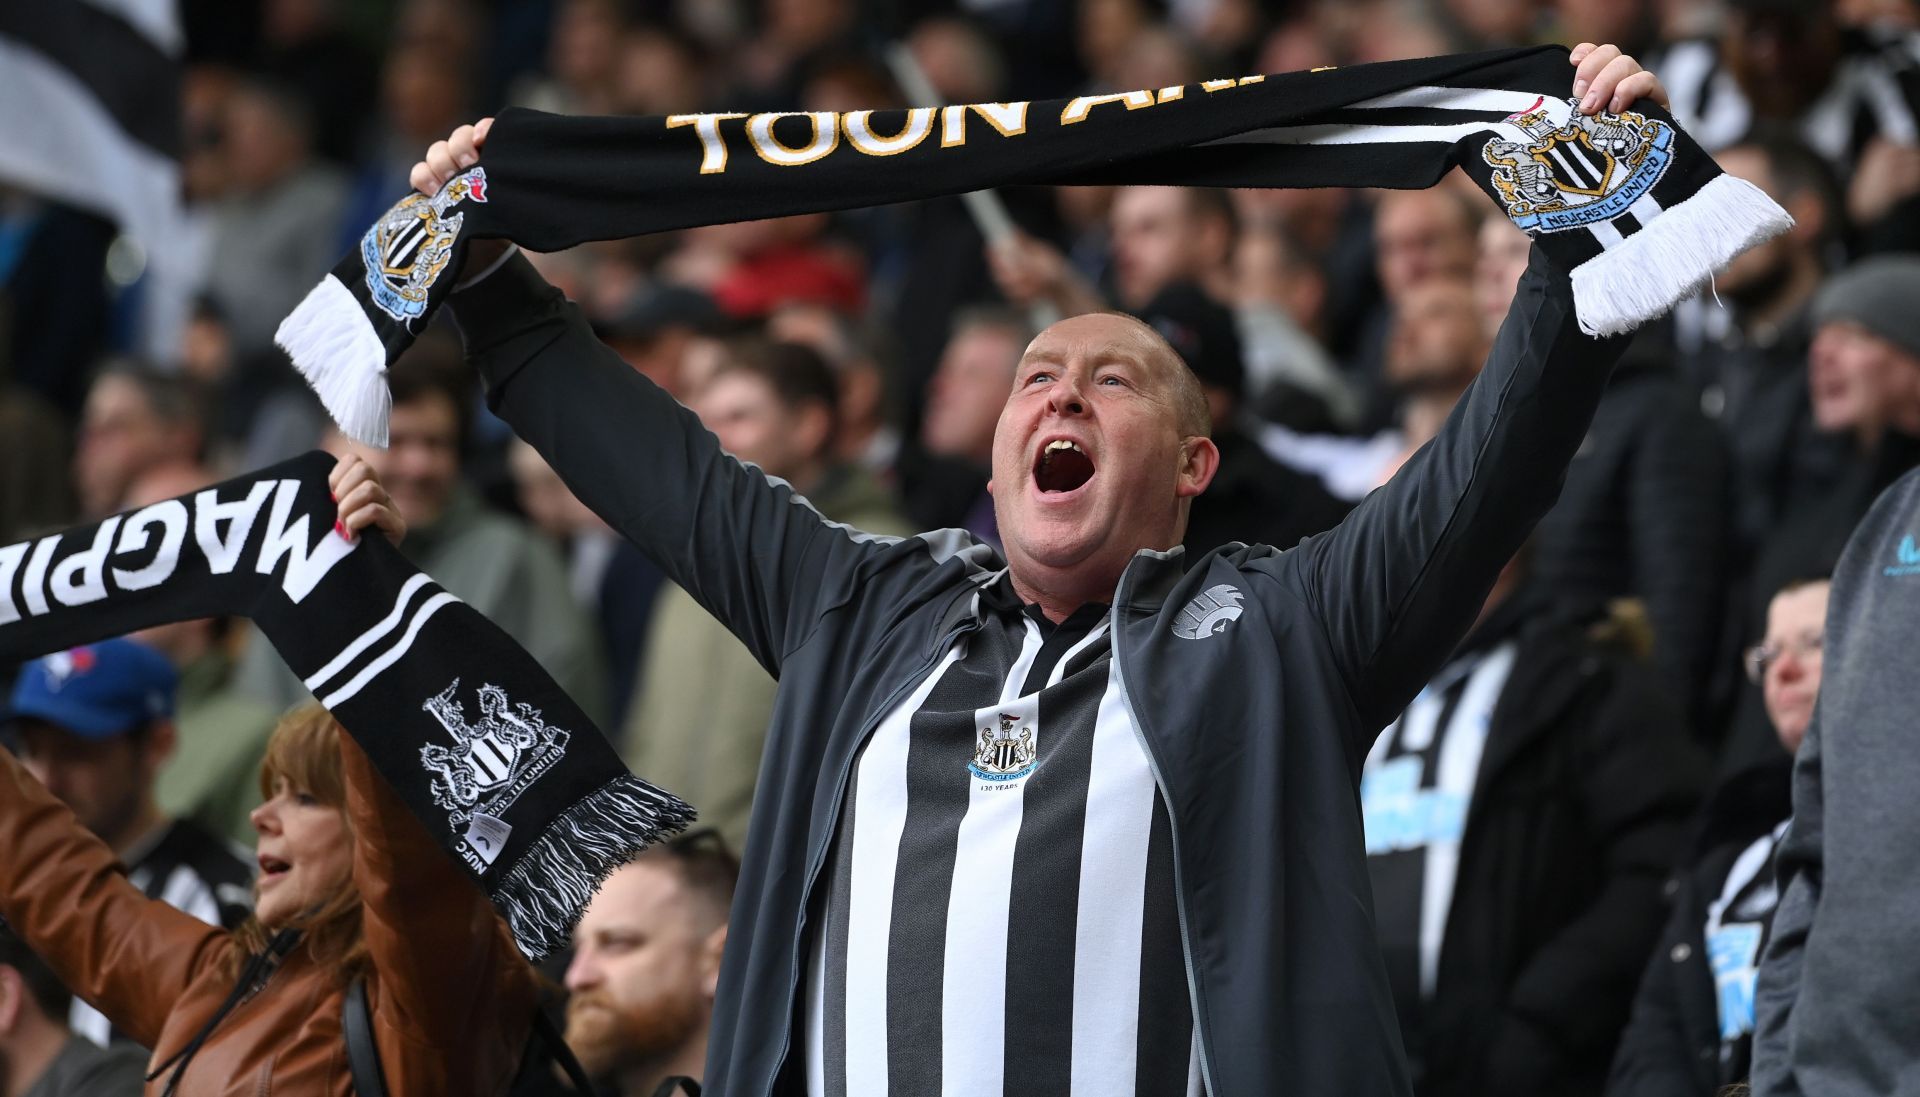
pixel 1255 734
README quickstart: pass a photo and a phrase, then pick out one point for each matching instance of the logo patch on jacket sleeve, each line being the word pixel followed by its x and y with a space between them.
pixel 1209 612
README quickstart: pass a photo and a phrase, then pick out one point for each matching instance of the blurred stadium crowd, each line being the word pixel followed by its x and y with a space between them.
pixel 864 357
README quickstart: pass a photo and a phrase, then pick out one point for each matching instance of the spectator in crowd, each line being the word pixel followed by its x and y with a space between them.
pixel 495 563
pixel 1419 237
pixel 352 888
pixel 963 404
pixel 94 725
pixel 583 59
pixel 659 329
pixel 1436 350
pixel 33 440
pixel 604 571
pixel 137 421
pixel 1864 373
pixel 39 1055
pixel 1752 370
pixel 864 435
pixel 646 964
pixel 310 45
pixel 1834 1001
pixel 1280 298
pixel 1848 96
pixel 1521 817
pixel 1691 1033
pixel 1253 499
pixel 274 231
pixel 220 733
pixel 54 304
pixel 699 719
pixel 1644 512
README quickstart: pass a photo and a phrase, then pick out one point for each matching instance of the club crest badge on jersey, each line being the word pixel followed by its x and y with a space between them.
pixel 1563 170
pixel 406 250
pixel 490 764
pixel 1003 754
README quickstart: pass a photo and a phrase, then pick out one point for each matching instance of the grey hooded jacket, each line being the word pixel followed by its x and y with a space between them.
pixel 1255 732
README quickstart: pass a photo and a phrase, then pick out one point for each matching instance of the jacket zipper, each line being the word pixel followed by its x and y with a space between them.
pixel 1173 833
pixel 817 859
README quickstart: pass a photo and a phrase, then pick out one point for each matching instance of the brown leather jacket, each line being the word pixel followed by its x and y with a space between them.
pixel 451 996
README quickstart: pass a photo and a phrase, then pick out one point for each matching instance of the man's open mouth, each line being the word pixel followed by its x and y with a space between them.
pixel 1062 466
pixel 273 866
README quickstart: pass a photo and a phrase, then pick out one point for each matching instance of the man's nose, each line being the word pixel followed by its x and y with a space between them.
pixel 582 973
pixel 1067 397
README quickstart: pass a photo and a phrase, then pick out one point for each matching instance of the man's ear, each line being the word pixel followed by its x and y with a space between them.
pixel 814 427
pixel 1199 460
pixel 711 951
pixel 162 738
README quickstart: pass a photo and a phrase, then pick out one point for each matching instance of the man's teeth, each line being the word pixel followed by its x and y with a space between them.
pixel 1062 443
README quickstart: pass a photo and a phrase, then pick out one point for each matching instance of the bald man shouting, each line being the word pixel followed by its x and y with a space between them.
pixel 1082 820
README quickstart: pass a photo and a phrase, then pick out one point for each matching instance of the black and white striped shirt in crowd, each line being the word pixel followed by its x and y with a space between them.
pixel 1875 91
pixel 1001 915
pixel 1416 788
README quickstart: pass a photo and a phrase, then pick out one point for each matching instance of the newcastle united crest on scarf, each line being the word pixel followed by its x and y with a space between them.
pixel 1572 170
pixel 490 765
pixel 406 249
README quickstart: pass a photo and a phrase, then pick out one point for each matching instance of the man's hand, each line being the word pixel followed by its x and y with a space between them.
pixel 446 159
pixel 1607 79
pixel 363 501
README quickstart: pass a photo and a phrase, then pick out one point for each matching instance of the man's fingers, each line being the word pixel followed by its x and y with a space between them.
pixel 480 131
pixel 1590 68
pixel 440 160
pixel 421 178
pixel 461 146
pixel 1579 52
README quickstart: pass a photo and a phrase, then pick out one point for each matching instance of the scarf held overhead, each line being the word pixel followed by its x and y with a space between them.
pixel 1638 213
pixel 499 764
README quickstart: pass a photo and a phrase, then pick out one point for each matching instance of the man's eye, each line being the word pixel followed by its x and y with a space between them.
pixel 1041 376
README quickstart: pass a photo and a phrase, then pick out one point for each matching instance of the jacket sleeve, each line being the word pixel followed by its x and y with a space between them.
pixel 745 545
pixel 445 972
pixel 1640 780
pixel 1655 1056
pixel 67 898
pixel 1398 583
pixel 1799 866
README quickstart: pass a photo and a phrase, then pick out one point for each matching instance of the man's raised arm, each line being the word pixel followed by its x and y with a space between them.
pixel 746 546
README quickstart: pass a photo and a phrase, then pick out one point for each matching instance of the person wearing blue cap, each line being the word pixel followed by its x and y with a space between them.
pixel 95 724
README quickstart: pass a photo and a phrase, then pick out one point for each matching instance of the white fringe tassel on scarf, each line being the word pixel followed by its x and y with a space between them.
pixel 337 351
pixel 543 895
pixel 1673 255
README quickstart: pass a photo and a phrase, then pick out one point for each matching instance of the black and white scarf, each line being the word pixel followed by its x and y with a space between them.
pixel 1626 202
pixel 498 763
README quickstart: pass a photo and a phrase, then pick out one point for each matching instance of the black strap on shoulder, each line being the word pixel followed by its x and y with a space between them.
pixel 363 1057
pixel 369 1080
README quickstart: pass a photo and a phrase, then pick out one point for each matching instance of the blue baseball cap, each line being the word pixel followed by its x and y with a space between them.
pixel 96 691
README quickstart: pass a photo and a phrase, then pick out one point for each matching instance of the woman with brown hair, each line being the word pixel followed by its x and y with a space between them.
pixel 351 889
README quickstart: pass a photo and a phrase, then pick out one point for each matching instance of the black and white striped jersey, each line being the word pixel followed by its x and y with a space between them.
pixel 1000 914
pixel 1875 91
pixel 1416 787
